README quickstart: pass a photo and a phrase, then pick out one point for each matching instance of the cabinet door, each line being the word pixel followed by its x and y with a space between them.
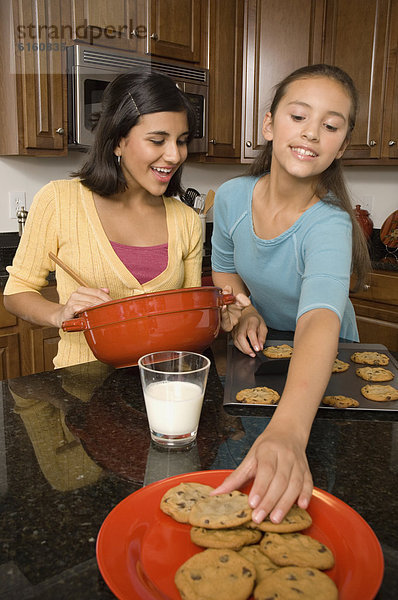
pixel 9 356
pixel 44 345
pixel 175 30
pixel 390 115
pixel 279 37
pixel 41 101
pixel 225 66
pixel 355 40
pixel 117 24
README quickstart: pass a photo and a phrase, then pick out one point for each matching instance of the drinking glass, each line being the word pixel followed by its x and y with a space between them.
pixel 174 384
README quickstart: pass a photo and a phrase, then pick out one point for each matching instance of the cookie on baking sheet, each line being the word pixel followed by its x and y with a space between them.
pixel 340 401
pixel 296 549
pixel 374 374
pixel 234 538
pixel 339 366
pixel 221 574
pixel 294 583
pixel 222 511
pixel 370 358
pixel 296 519
pixel 258 395
pixel 263 565
pixel 178 501
pixel 380 393
pixel 281 351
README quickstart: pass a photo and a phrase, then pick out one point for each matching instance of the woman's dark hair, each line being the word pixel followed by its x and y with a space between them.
pixel 332 178
pixel 125 99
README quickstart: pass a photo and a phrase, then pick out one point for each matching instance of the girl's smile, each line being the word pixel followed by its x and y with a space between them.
pixel 309 127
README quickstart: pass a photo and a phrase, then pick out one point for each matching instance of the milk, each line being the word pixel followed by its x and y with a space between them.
pixel 173 407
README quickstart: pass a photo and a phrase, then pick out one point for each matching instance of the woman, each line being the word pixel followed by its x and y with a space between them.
pixel 287 236
pixel 117 223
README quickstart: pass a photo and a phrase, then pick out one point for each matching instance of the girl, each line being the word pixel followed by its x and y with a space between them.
pixel 117 224
pixel 286 235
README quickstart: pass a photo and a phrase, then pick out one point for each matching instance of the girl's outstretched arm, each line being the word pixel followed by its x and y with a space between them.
pixel 277 462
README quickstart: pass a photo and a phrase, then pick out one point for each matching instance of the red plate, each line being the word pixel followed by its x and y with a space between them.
pixel 139 548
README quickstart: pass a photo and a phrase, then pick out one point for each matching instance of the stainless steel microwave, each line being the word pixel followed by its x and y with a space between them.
pixel 90 69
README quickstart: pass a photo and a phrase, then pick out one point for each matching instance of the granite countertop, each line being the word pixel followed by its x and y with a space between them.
pixel 75 442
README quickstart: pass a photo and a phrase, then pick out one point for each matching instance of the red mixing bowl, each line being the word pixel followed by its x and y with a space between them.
pixel 120 331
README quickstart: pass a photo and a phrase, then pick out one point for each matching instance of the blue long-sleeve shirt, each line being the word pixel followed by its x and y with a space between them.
pixel 306 267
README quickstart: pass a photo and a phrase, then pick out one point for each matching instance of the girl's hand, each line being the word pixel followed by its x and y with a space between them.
pixel 250 332
pixel 81 299
pixel 278 465
pixel 230 313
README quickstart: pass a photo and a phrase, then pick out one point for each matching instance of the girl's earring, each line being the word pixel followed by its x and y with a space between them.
pixel 118 159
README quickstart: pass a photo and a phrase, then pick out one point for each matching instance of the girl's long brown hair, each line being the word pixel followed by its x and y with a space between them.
pixel 332 179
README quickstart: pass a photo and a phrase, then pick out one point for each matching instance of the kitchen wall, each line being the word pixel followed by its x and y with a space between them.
pixel 373 187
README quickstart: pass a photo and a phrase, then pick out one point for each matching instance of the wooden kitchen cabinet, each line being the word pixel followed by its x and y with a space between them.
pixel 175 29
pixel 118 24
pixel 225 49
pixel 279 37
pixel 25 348
pixel 166 28
pixel 376 309
pixel 362 38
pixel 32 91
pixel 9 345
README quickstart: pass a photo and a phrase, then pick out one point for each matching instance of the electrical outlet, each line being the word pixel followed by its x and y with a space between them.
pixel 367 203
pixel 16 200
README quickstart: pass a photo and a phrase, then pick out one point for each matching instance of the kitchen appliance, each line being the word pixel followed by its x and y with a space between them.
pixel 91 68
pixel 120 331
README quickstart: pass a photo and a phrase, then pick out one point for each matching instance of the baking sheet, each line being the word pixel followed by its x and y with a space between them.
pixel 241 370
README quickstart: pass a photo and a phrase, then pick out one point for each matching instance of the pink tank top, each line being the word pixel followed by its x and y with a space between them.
pixel 144 262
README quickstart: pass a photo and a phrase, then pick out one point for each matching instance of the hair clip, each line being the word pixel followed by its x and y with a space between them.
pixel 135 106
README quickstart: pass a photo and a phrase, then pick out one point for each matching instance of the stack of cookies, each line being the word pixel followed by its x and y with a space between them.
pixel 242 558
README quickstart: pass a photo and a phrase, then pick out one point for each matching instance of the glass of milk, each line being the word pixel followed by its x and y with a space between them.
pixel 174 384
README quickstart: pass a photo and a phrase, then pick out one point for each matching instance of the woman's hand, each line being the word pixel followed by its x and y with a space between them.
pixel 278 465
pixel 230 313
pixel 250 333
pixel 81 299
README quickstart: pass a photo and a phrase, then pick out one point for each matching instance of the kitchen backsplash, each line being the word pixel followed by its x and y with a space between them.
pixel 374 188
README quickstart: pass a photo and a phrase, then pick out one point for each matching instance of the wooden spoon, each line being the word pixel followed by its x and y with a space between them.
pixel 209 201
pixel 68 270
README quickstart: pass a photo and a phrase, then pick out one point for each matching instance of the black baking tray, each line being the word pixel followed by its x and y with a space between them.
pixel 241 369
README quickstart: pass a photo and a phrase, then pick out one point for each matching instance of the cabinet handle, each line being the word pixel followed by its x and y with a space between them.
pixel 366 287
pixel 154 36
pixel 392 143
pixel 60 131
pixel 213 142
pixel 372 143
pixel 249 144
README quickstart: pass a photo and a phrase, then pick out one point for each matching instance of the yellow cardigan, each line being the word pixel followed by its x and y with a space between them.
pixel 63 219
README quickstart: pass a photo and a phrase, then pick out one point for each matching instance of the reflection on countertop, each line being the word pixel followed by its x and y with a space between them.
pixel 75 442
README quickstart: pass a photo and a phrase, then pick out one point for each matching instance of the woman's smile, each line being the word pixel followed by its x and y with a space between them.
pixel 153 151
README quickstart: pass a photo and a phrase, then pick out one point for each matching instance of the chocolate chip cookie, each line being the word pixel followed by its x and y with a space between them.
pixel 374 374
pixel 258 395
pixel 281 351
pixel 380 393
pixel 294 583
pixel 234 538
pixel 178 501
pixel 376 359
pixel 340 401
pixel 296 549
pixel 221 574
pixel 221 511
pixel 296 519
